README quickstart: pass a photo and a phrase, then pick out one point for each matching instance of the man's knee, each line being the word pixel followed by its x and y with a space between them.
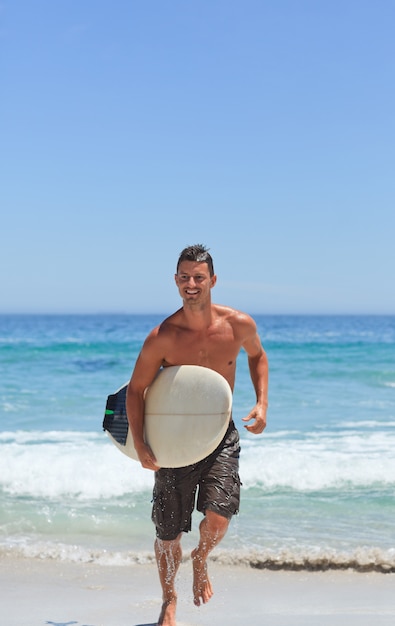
pixel 217 523
pixel 167 545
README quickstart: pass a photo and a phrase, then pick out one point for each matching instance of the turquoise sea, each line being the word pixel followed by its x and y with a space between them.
pixel 318 485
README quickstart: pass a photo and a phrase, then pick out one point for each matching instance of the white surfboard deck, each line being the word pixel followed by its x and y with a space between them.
pixel 187 412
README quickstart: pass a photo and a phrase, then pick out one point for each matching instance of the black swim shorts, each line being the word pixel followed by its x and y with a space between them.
pixel 216 477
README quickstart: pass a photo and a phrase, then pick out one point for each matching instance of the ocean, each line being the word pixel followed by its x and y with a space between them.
pixel 318 485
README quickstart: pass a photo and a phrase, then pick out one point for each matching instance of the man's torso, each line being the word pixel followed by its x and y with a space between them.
pixel 215 346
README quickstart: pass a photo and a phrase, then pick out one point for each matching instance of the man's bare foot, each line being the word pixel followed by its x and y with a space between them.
pixel 167 615
pixel 202 589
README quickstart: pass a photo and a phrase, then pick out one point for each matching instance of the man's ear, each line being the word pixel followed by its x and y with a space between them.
pixel 213 280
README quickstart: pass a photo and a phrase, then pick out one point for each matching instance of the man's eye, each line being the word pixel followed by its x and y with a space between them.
pixel 198 279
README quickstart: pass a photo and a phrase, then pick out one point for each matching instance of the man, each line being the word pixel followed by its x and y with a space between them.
pixel 210 335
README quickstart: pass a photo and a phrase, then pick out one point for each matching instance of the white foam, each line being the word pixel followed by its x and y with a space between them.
pixel 86 466
pixel 282 558
pixel 74 553
pixel 319 462
pixel 368 424
pixel 58 464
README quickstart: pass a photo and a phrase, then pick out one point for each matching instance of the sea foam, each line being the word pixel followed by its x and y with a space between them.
pixel 319 560
pixel 86 466
pixel 67 464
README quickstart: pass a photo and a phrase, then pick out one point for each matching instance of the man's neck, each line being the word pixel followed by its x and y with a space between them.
pixel 199 317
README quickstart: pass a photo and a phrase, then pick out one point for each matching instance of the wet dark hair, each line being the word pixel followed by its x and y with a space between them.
pixel 199 254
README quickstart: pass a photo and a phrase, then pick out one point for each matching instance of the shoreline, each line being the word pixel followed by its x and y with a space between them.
pixel 361 560
pixel 38 592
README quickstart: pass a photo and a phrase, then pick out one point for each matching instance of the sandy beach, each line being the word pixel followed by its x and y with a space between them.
pixel 35 593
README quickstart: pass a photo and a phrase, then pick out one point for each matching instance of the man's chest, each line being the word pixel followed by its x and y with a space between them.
pixel 208 349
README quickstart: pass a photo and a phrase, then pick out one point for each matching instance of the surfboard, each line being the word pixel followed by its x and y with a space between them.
pixel 187 412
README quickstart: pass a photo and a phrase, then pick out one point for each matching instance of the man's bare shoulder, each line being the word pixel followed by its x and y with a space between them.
pixel 166 328
pixel 245 331
pixel 242 323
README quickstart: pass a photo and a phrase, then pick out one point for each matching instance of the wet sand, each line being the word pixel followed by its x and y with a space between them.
pixel 38 593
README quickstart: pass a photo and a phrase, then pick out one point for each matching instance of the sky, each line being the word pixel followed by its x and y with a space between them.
pixel 133 128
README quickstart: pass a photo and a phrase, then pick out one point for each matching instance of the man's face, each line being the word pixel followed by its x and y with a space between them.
pixel 194 282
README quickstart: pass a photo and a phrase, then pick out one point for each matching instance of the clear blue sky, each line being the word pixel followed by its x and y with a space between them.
pixel 132 128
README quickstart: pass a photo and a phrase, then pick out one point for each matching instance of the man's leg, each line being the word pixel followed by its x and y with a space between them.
pixel 212 529
pixel 168 557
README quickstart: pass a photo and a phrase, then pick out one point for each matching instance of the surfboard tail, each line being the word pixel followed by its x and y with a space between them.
pixel 115 419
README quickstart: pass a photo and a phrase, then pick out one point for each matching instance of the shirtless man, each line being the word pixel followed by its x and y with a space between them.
pixel 210 335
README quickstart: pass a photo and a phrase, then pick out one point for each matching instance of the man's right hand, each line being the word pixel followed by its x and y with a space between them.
pixel 147 458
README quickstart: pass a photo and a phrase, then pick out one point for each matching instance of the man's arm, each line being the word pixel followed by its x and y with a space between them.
pixel 145 370
pixel 259 372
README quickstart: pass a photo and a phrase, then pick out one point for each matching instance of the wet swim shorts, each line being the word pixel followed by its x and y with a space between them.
pixel 217 480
